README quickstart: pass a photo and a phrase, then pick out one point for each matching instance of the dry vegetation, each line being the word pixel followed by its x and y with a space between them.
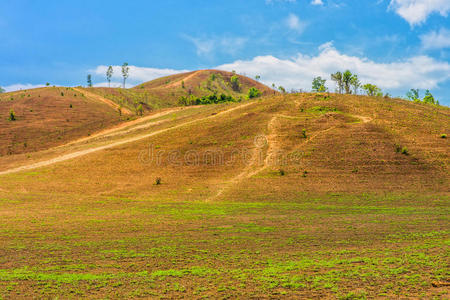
pixel 326 208
pixel 47 117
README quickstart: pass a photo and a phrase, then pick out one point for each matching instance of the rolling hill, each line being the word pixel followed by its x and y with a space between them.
pixel 51 116
pixel 166 91
pixel 286 196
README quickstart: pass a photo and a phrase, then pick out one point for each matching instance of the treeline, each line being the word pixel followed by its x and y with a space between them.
pixel 215 99
pixel 349 83
pixel 210 99
pixel 346 82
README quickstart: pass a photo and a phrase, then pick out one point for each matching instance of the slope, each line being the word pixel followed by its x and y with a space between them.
pixel 166 91
pixel 47 117
pixel 291 196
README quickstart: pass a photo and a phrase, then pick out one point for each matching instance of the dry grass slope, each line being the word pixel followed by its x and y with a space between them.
pixel 348 217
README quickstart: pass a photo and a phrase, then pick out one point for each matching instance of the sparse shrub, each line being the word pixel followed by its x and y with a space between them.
pixel 253 93
pixel 405 151
pixel 70 105
pixel 62 94
pixel 304 133
pixel 304 173
pixel 158 181
pixel 235 84
pixel 281 171
pixel 443 136
pixel 12 115
pixel 182 84
pixel 140 110
pixel 213 77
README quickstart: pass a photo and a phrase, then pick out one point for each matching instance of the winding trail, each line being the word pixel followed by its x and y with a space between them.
pixel 271 152
pixel 76 154
pixel 108 102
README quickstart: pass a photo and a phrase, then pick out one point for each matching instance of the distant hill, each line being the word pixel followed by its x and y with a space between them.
pixel 166 91
pixel 51 116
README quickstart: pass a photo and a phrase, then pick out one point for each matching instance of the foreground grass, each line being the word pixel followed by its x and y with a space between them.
pixel 347 246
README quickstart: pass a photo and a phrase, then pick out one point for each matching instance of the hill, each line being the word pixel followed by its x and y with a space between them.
pixel 295 196
pixel 51 116
pixel 166 91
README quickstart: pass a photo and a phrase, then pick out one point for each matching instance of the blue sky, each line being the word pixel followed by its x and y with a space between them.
pixel 396 44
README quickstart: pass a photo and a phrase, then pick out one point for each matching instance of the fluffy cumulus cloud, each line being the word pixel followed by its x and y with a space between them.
pixel 298 72
pixel 417 11
pixel 136 74
pixel 317 2
pixel 436 39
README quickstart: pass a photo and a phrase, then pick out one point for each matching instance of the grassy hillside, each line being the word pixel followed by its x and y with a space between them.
pixel 290 196
pixel 47 117
pixel 166 91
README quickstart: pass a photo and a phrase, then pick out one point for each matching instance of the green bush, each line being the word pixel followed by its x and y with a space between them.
pixel 443 136
pixel 12 115
pixel 158 181
pixel 235 84
pixel 211 99
pixel 405 151
pixel 253 93
pixel 304 133
pixel 281 171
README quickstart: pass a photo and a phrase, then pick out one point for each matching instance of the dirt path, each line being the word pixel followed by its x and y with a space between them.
pixel 178 82
pixel 76 154
pixel 96 97
pixel 119 129
pixel 273 147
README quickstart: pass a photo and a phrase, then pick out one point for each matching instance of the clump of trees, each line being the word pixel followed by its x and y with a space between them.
pixel 318 84
pixel 414 95
pixel 346 82
pixel 210 99
pixel 2 90
pixel 372 90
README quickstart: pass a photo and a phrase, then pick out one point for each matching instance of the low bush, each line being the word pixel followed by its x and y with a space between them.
pixel 12 115
pixel 211 99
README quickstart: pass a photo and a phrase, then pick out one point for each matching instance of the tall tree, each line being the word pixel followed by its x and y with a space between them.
pixel 346 79
pixel 337 77
pixel 318 84
pixel 109 73
pixel 355 83
pixel 89 80
pixel 2 90
pixel 257 77
pixel 125 72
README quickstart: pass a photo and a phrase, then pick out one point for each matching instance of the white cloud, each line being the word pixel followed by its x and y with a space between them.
pixel 317 2
pixel 417 11
pixel 209 46
pixel 293 22
pixel 298 72
pixel 20 86
pixel 436 39
pixel 136 74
